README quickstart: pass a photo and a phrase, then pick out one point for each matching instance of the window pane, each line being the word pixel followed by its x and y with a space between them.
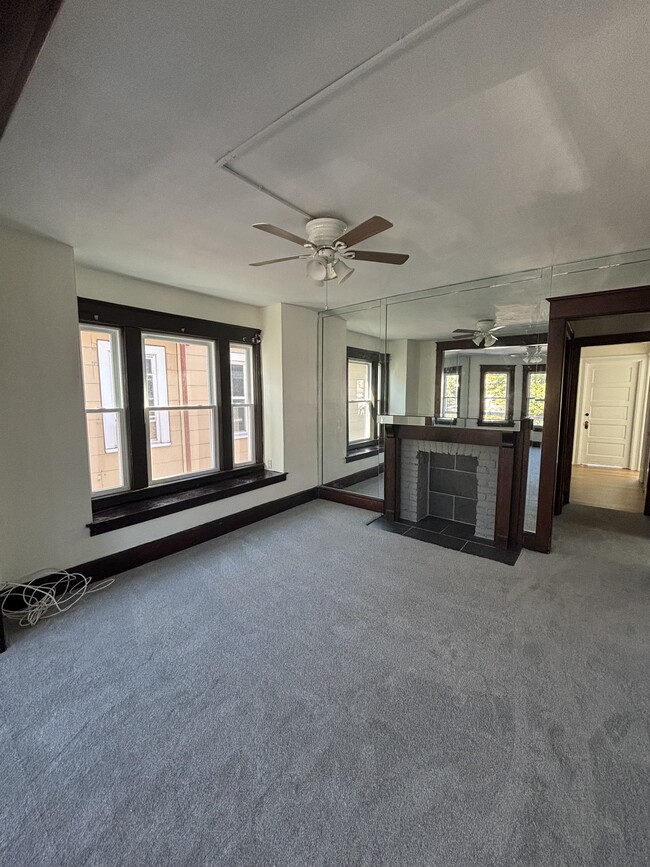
pixel 495 397
pixel 178 372
pixel 359 378
pixel 359 421
pixel 98 349
pixel 190 448
pixel 105 451
pixel 243 438
pixel 243 411
pixel 451 386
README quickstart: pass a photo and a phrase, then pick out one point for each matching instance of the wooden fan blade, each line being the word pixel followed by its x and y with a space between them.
pixel 280 233
pixel 386 258
pixel 364 230
pixel 464 331
pixel 273 261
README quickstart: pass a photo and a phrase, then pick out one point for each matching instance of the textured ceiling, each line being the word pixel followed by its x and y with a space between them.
pixel 511 138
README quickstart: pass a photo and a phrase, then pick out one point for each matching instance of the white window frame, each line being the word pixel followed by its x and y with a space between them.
pixel 156 354
pixel 155 409
pixel 110 382
pixel 248 400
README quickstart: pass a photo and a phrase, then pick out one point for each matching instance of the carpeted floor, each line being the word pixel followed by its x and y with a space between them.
pixel 310 691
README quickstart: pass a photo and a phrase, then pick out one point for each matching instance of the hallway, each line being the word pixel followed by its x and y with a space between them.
pixel 607 488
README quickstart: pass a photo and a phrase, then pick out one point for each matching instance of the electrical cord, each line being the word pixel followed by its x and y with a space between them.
pixel 28 602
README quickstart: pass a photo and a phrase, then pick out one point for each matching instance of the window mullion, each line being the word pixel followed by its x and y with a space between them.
pixel 135 402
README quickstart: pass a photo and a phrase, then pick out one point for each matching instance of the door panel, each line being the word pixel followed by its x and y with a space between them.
pixel 609 396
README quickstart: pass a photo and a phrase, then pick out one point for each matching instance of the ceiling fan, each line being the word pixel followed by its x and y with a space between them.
pixel 535 354
pixel 327 249
pixel 481 335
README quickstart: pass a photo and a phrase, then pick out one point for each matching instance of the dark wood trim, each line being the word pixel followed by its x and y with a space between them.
pixel 509 370
pixel 557 336
pixel 449 434
pixel 562 311
pixel 3 637
pixel 132 323
pixel 609 303
pixel 613 339
pixel 122 561
pixel 349 498
pixel 567 436
pixel 369 451
pixel 24 26
pixel 511 471
pixel 355 478
pixel 97 312
pixel 128 514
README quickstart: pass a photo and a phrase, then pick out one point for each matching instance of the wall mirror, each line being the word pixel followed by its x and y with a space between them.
pixel 354 385
pixel 473 356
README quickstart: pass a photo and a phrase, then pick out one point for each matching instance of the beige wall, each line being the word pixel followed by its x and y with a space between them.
pixel 46 500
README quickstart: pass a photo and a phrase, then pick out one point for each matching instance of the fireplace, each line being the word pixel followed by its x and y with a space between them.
pixel 450 480
pixel 466 475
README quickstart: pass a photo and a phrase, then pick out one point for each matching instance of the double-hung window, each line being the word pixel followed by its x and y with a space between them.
pixel 172 403
pixel 496 398
pixel 450 392
pixel 363 388
pixel 534 394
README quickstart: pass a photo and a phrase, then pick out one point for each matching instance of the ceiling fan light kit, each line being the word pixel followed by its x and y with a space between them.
pixel 482 335
pixel 327 247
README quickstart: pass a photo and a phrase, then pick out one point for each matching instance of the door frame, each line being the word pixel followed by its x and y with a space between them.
pixel 562 366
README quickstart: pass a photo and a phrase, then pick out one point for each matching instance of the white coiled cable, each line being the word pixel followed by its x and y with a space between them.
pixel 45 598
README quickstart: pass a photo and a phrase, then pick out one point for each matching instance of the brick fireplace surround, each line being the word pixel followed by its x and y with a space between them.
pixel 501 472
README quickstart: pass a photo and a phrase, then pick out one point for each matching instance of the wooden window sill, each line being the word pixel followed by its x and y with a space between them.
pixel 364 452
pixel 127 514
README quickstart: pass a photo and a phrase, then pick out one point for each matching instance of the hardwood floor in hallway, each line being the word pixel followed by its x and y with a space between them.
pixel 607 488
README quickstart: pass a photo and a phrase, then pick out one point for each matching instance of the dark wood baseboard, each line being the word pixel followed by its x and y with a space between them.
pixel 122 561
pixel 355 478
pixel 349 498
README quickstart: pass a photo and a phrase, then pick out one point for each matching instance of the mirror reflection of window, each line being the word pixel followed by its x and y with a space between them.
pixel 450 392
pixel 496 397
pixel 534 394
pixel 360 401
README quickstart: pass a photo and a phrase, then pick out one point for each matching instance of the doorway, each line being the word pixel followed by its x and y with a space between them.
pixel 576 321
pixel 609 435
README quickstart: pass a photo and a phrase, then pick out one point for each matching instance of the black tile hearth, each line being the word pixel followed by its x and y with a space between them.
pixel 448 534
pixel 435 538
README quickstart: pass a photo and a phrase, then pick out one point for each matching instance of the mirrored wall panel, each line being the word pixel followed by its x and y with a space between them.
pixel 353 393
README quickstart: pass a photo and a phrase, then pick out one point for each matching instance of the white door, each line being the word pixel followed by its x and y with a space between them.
pixel 608 402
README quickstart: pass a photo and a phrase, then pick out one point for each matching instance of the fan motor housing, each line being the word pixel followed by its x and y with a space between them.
pixel 323 231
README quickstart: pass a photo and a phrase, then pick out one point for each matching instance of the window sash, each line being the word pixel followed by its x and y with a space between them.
pixel 242 405
pixel 111 392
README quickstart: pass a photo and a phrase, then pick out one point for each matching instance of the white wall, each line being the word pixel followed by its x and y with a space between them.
pixel 43 461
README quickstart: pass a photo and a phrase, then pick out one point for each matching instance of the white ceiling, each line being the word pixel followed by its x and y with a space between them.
pixel 514 137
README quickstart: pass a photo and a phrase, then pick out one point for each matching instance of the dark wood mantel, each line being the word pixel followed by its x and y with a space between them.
pixel 512 470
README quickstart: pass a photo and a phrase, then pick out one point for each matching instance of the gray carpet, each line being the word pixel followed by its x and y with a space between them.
pixel 313 691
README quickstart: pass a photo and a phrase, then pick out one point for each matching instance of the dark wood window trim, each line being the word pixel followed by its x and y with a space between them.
pixel 509 369
pixel 132 321
pixel 366 448
pixel 443 346
pixel 127 514
pixel 525 385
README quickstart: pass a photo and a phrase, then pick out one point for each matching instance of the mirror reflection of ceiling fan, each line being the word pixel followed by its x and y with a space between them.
pixel 482 335
pixel 327 249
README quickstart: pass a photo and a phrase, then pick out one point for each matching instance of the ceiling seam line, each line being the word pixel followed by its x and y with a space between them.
pixel 265 191
pixel 447 16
